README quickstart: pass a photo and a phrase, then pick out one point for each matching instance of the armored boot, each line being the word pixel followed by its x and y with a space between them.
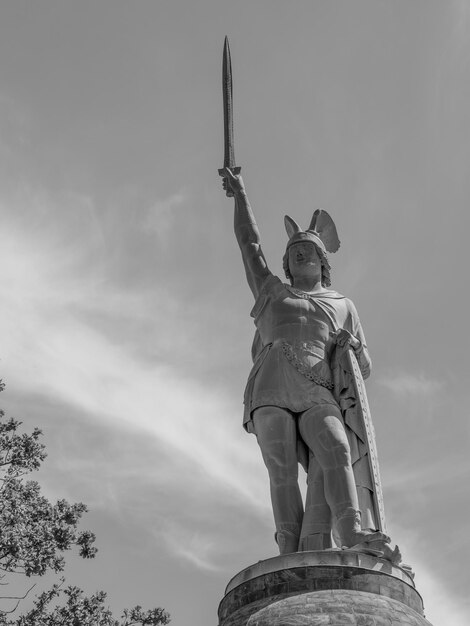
pixel 316 526
pixel 316 541
pixel 287 541
pixel 348 528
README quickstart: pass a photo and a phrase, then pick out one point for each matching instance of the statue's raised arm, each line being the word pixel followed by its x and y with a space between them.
pixel 247 233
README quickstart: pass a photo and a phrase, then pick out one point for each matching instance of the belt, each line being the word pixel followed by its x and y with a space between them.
pixel 290 352
pixel 313 347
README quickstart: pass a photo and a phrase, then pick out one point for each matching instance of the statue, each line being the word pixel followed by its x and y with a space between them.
pixel 305 400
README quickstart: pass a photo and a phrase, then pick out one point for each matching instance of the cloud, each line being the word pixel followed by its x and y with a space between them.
pixel 441 604
pixel 195 547
pixel 50 297
pixel 406 384
pixel 431 473
pixel 160 217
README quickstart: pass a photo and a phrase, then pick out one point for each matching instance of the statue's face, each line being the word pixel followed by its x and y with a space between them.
pixel 304 259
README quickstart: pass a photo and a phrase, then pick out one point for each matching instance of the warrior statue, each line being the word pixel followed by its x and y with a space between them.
pixel 305 399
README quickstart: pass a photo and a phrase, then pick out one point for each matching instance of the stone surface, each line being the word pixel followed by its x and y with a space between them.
pixel 347 558
pixel 336 608
pixel 323 587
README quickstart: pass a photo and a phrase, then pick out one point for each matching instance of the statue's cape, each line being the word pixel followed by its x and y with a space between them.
pixel 350 393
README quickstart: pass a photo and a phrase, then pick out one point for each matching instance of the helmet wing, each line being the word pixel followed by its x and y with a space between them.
pixel 292 227
pixel 323 225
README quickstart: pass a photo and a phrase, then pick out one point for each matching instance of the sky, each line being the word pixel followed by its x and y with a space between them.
pixel 124 312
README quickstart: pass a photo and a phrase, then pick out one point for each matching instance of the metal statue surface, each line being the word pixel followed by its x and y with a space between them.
pixel 305 398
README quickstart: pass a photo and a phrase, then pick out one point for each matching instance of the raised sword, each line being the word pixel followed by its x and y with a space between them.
pixel 227 93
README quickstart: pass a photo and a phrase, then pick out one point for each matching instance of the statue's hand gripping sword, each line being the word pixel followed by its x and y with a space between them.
pixel 229 153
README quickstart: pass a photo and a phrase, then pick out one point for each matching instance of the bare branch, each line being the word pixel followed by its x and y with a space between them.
pixel 17 597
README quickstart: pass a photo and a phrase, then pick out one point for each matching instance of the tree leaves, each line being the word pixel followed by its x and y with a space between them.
pixel 34 534
pixel 80 610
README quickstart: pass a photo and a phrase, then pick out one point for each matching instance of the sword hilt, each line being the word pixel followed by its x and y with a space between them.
pixel 235 171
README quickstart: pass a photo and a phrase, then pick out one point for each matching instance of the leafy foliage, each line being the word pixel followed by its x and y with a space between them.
pixel 34 533
pixel 80 610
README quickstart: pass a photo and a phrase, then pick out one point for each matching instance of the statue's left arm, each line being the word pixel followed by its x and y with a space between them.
pixel 362 353
pixel 353 335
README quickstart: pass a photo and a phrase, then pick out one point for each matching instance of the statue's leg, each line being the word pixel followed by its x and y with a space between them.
pixel 322 430
pixel 276 432
pixel 316 525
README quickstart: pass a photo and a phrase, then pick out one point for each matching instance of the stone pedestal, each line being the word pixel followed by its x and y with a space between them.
pixel 328 587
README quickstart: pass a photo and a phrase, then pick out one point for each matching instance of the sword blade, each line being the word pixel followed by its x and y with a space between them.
pixel 227 94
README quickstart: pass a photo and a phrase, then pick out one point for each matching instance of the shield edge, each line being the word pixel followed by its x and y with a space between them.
pixel 363 412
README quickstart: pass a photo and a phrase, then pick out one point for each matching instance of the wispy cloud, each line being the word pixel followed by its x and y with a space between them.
pixel 160 217
pixel 49 298
pixel 407 384
pixel 195 547
pixel 437 472
pixel 441 604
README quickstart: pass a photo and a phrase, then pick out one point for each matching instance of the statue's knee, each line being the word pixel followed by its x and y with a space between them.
pixel 341 456
pixel 281 462
pixel 336 450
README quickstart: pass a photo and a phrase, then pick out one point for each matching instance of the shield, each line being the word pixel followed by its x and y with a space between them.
pixel 364 421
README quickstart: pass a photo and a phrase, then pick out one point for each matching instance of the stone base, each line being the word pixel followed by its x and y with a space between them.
pixel 328 587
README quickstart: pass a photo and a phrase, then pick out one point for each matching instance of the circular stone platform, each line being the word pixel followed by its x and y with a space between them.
pixel 328 587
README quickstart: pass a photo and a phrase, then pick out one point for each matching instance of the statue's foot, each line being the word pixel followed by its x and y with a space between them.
pixel 365 549
pixel 390 553
pixel 367 536
pixel 287 541
pixel 317 541
pixel 350 533
pixel 379 548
